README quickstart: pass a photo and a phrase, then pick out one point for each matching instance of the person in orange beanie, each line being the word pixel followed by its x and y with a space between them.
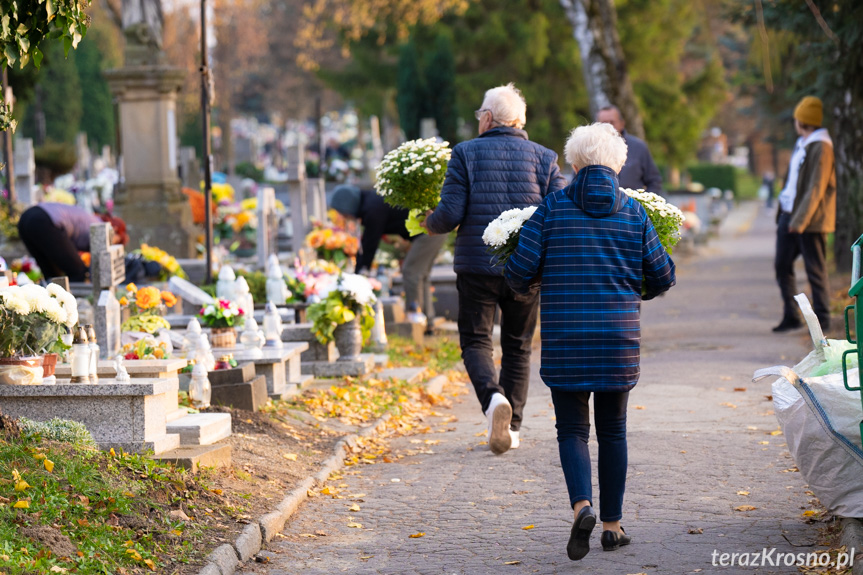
pixel 807 213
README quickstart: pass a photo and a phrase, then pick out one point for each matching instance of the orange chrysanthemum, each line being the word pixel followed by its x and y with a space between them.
pixel 131 287
pixel 124 300
pixel 169 298
pixel 85 257
pixel 352 246
pixel 148 297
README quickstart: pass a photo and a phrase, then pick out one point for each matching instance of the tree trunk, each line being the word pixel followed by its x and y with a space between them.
pixel 594 27
pixel 848 147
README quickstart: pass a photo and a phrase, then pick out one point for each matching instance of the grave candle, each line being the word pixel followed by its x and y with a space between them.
pixel 272 326
pixel 80 356
pixel 94 353
pixel 199 387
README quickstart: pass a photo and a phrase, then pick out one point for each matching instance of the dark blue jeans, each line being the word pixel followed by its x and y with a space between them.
pixel 573 428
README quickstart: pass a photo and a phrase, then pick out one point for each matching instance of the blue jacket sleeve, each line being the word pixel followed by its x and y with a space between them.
pixel 658 269
pixel 524 266
pixel 453 197
pixel 556 180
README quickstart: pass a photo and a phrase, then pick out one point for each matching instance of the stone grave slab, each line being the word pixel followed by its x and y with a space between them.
pixel 407 330
pixel 201 428
pixel 250 395
pixel 137 368
pixel 275 364
pixel 130 416
pixel 317 352
pixel 342 368
pixel 195 457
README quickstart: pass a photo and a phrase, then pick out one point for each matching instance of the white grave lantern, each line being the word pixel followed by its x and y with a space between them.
pixel 277 291
pixel 242 297
pixel 192 337
pixel 94 353
pixel 200 389
pixel 252 337
pixel 225 283
pixel 272 326
pixel 204 353
pixel 79 356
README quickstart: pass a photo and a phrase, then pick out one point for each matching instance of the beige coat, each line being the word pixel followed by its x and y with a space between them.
pixel 815 203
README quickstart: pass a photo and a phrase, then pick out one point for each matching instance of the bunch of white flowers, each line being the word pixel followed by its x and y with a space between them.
pixel 56 303
pixel 358 288
pixel 667 218
pixel 32 319
pixel 502 233
pixel 411 177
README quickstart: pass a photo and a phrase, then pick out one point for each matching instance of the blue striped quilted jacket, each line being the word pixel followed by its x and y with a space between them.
pixel 590 245
pixel 497 171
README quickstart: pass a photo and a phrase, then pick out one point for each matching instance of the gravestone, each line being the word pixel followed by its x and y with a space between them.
pixel 61 281
pixel 317 198
pixel 107 271
pixel 296 171
pixel 268 222
pixel 190 168
pixel 25 172
pixel 82 151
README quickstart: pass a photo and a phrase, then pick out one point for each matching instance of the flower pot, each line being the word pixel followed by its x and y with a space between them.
pixel 349 340
pixel 21 370
pixel 223 337
pixel 49 364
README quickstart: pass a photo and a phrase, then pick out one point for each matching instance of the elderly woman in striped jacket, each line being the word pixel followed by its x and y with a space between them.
pixel 597 256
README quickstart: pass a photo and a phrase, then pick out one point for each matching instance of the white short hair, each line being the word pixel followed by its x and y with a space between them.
pixel 507 105
pixel 596 144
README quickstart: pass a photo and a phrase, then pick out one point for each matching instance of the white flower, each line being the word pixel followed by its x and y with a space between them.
pixel 227 312
pixel 495 234
pixel 358 288
pixel 55 311
pixel 209 310
pixel 12 302
pixel 428 171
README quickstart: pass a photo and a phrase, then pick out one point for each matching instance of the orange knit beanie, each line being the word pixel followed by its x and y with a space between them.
pixel 810 111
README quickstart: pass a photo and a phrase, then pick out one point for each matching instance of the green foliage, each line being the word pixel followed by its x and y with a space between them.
pixel 62 430
pixel 676 73
pixel 720 176
pixel 438 354
pixel 440 87
pixel 257 284
pixel 25 23
pixel 96 55
pixel 336 310
pixel 57 157
pixel 411 91
pixel 250 170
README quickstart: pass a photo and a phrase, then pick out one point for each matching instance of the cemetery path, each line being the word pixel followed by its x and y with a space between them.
pixel 700 445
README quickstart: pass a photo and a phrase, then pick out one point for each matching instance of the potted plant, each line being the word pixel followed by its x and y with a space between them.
pixel 345 315
pixel 146 305
pixel 32 321
pixel 222 317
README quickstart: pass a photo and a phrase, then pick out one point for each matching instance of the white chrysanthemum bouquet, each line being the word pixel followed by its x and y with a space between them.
pixel 32 319
pixel 501 235
pixel 667 218
pixel 411 177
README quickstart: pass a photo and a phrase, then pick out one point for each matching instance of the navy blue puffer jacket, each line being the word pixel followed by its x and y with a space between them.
pixel 497 171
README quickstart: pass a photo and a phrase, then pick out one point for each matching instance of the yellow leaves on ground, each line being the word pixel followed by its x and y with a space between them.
pixel 112 452
pixel 355 525
pixel 39 456
pixel 480 433
pixel 49 465
pixel 21 485
pixel 763 443
pixel 512 562
pixel 291 456
pixel 22 504
pixel 527 527
pixel 639 407
pixel 810 513
pixel 354 507
pixel 327 490
pixel 745 508
pixel 417 535
pixel 727 404
pixel 742 493
pixel 58 569
pixel 134 554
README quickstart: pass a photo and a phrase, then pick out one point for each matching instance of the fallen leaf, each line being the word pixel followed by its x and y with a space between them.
pixel 308 535
pixel 82 523
pixel 527 527
pixel 511 562
pixel 355 525
pixel 49 465
pixel 725 377
pixel 217 491
pixel 763 443
pixel 809 513
pixel 23 504
pixel 696 531
pixel 395 480
pixel 742 493
pixel 417 535
pixel 682 451
pixel 752 427
pixel 745 508
pixel 638 407
pixel 291 456
pixel 366 556
pixel 354 507
pixel 726 404
pixel 311 493
pixel 39 456
pixel 321 533
pixel 58 569
pixel 21 485
pixel 356 495
pixel 483 443
pixel 480 433
pixel 739 389
pixel 776 432
pixel 149 563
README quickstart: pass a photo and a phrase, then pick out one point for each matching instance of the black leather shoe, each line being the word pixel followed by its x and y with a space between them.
pixel 788 324
pixel 611 540
pixel 579 538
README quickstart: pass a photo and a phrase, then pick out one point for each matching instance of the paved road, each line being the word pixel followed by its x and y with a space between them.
pixel 699 433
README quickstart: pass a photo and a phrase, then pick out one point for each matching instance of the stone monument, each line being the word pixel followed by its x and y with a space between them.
pixel 149 197
pixel 107 271
pixel 297 197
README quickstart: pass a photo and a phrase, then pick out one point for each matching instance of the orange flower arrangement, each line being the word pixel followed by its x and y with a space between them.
pixel 144 304
pixel 333 244
pixel 148 297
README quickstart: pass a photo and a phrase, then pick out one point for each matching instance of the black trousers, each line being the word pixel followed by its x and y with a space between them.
pixel 813 248
pixel 479 297
pixel 52 249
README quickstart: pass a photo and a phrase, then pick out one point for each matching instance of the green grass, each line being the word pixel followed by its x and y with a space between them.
pixel 438 354
pixel 104 504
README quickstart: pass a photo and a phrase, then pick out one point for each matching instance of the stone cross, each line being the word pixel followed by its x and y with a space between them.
pixel 297 196
pixel 267 224
pixel 107 271
pixel 317 198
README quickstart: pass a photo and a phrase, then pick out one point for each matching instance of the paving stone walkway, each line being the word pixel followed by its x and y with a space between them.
pixel 699 439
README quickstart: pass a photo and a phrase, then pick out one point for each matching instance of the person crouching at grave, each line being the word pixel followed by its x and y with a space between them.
pixel 592 248
pixel 55 234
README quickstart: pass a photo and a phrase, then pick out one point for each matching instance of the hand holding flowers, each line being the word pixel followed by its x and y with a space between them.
pixel 502 234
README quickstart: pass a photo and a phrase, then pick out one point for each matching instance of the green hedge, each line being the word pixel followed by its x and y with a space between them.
pixel 744 184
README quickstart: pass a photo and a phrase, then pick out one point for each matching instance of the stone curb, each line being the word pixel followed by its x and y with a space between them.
pixel 225 559
pixel 852 538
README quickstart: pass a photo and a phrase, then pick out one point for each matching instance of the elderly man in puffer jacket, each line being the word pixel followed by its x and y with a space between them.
pixel 498 171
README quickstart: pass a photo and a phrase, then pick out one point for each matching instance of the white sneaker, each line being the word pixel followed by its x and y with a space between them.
pixel 514 439
pixel 499 414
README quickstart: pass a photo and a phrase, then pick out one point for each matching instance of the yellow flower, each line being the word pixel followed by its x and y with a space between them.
pixel 131 287
pixel 124 301
pixel 148 297
pixel 169 298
